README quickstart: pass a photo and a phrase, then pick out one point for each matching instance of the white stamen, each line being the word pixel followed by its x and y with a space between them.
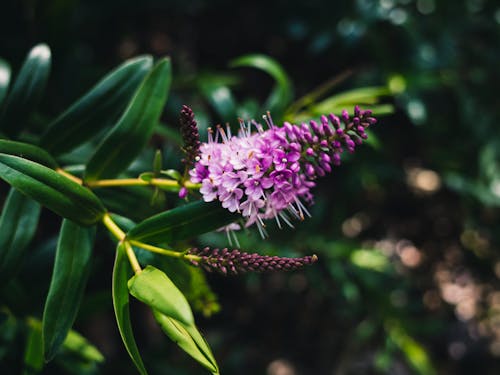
pixel 285 219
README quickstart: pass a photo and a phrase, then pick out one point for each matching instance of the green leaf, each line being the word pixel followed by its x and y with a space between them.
pixel 97 109
pixel 121 272
pixel 415 353
pixel 189 339
pixel 69 277
pixel 361 96
pixel 74 344
pixel 182 222
pixel 27 90
pixel 190 280
pixel 17 228
pixel 33 355
pixel 132 131
pixel 77 344
pixel 282 93
pixel 27 151
pixel 155 289
pixel 172 173
pixel 52 190
pixel 220 97
pixel 4 79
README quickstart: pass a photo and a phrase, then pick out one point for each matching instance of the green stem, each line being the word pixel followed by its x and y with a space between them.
pixel 166 252
pixel 159 182
pixel 120 236
pixel 132 258
pixel 112 227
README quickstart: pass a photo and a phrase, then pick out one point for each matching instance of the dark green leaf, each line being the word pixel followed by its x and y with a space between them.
pixel 182 222
pixel 69 277
pixel 129 136
pixel 97 109
pixel 27 90
pixel 4 79
pixel 155 289
pixel 121 274
pixel 58 193
pixel 27 151
pixel 17 228
pixel 282 93
pixel 189 339
pixel 33 355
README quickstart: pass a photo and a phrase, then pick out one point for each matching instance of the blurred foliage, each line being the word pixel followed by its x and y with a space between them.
pixel 407 232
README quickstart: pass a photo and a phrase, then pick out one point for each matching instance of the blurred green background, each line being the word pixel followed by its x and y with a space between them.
pixel 407 230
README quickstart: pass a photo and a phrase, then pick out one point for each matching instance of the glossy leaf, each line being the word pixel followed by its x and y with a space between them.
pixel 52 190
pixel 132 131
pixel 189 339
pixel 27 151
pixel 182 222
pixel 27 90
pixel 69 277
pixel 282 93
pixel 4 79
pixel 121 274
pixel 97 109
pixel 155 289
pixel 17 227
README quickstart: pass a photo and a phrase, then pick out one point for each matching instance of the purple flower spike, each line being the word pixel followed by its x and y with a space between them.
pixel 233 262
pixel 270 173
pixel 190 135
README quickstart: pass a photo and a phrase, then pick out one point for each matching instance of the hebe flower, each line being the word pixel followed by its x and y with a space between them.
pixel 190 135
pixel 269 173
pixel 234 262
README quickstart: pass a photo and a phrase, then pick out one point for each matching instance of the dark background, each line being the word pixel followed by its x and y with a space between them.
pixel 407 233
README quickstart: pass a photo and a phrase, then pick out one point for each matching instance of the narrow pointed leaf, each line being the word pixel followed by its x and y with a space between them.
pixel 97 109
pixel 189 339
pixel 69 277
pixel 132 131
pixel 182 222
pixel 282 92
pixel 27 90
pixel 155 289
pixel 17 227
pixel 121 274
pixel 4 79
pixel 27 151
pixel 52 190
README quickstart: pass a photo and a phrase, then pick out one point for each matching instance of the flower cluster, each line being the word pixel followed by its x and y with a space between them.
pixel 234 262
pixel 269 173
